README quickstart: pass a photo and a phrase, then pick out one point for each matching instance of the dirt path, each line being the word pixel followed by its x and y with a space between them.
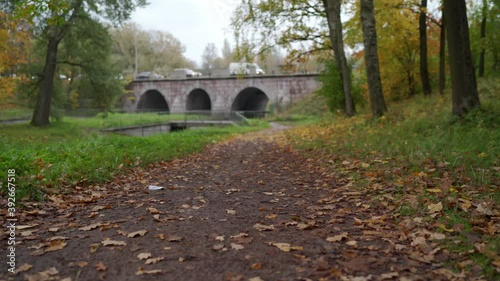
pixel 245 209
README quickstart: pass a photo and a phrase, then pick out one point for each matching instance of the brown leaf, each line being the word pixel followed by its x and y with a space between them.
pixel 435 208
pixel 90 227
pixel 337 238
pixel 24 267
pixel 153 211
pixel 143 256
pixel 285 247
pixel 108 242
pixel 155 260
pixel 262 227
pixel 82 263
pixel 141 271
pixel 100 266
pixel 137 233
pixel 56 245
pixel 256 266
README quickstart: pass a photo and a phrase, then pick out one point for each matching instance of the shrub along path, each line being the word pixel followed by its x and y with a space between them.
pixel 250 208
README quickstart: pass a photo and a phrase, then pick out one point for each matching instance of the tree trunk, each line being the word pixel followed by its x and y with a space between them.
pixel 41 115
pixel 377 101
pixel 424 69
pixel 332 8
pixel 483 38
pixel 463 78
pixel 442 50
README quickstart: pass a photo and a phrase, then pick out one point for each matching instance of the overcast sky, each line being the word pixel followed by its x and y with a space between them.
pixel 194 22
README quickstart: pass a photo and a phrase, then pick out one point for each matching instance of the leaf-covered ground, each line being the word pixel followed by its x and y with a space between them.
pixel 251 208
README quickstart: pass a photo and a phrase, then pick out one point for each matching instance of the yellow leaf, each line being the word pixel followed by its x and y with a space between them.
pixel 443 227
pixel 285 247
pixel 435 208
pixel 433 190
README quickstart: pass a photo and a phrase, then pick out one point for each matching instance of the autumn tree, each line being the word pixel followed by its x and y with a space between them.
pixel 55 19
pixel 377 101
pixel 137 50
pixel 301 27
pixel 463 78
pixel 14 50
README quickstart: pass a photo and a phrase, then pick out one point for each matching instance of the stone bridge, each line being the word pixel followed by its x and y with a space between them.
pixel 250 93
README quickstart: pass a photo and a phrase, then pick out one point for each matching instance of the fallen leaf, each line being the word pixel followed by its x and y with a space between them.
pixel 56 245
pixel 143 256
pixel 100 266
pixel 434 190
pixel 219 238
pixel 82 263
pixel 137 233
pixel 24 267
pixel 262 227
pixel 237 247
pixel 435 208
pixel 153 211
pixel 285 247
pixel 141 271
pixel 271 216
pixel 255 279
pixel 256 266
pixel 351 243
pixel 108 242
pixel 155 260
pixel 231 212
pixel 90 227
pixel 44 275
pixel 94 247
pixel 337 238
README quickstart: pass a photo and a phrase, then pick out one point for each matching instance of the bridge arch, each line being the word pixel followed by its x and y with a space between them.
pixel 198 99
pixel 152 100
pixel 251 100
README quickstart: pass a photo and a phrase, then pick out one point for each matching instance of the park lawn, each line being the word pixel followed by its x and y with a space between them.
pixel 75 151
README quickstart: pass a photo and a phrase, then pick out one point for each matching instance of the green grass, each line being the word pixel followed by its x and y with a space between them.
pixel 73 151
pixel 419 146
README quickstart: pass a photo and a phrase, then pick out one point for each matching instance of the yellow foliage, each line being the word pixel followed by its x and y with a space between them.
pixel 14 48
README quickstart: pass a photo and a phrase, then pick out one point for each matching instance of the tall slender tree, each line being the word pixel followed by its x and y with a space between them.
pixel 332 8
pixel 377 101
pixel 424 68
pixel 442 54
pixel 482 55
pixel 465 96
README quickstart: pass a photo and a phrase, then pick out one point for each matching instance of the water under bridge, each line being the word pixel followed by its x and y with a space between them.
pixel 243 94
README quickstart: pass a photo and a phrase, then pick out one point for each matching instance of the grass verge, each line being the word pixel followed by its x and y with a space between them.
pixel 425 165
pixel 73 151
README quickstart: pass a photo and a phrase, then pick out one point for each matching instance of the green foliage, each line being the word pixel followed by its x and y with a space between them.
pixel 331 87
